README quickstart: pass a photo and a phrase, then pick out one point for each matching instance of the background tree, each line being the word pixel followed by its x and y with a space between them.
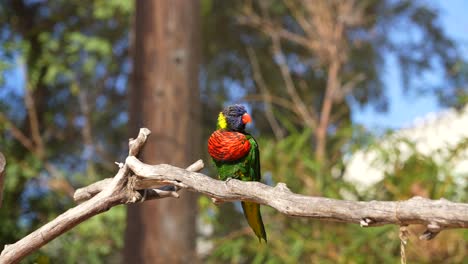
pixel 68 91
pixel 164 98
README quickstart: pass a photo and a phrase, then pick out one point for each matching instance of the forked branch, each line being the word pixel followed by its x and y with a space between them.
pixel 115 191
pixel 137 182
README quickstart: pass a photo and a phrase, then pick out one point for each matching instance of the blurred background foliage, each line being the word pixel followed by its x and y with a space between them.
pixel 63 118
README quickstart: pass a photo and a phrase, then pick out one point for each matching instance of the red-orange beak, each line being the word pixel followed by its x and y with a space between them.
pixel 246 118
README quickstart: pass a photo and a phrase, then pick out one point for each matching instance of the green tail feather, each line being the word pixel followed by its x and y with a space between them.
pixel 254 218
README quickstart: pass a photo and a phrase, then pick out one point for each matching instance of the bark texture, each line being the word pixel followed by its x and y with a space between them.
pixel 164 98
pixel 137 182
pixel 435 214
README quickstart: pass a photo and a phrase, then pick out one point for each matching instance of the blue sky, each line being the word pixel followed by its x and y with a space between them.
pixel 403 109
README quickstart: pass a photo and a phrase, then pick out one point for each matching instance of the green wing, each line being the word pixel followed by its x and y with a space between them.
pixel 254 160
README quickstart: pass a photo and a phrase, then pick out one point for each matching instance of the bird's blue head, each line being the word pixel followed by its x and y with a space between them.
pixel 234 118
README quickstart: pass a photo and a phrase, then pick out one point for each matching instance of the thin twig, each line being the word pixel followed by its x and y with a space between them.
pixel 86 129
pixel 290 87
pixel 34 122
pixel 268 28
pixel 58 178
pixel 257 74
pixel 276 100
pixel 17 133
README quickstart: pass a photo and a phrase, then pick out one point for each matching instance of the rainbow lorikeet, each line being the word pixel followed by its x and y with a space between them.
pixel 236 155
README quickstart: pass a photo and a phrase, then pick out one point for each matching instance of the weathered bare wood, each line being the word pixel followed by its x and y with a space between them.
pixel 90 191
pixel 435 214
pixel 135 145
pixel 2 176
pixel 159 189
pixel 136 182
pixel 115 193
pixel 64 222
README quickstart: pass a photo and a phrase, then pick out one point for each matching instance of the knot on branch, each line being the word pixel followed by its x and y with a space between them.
pixel 132 195
pixel 5 249
pixel 281 186
pixel 365 222
pixel 216 201
pixel 433 229
pixel 119 164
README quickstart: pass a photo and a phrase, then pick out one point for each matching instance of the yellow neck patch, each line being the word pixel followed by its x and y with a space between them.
pixel 222 124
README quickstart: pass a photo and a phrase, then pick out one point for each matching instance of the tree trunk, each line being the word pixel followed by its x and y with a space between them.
pixel 165 98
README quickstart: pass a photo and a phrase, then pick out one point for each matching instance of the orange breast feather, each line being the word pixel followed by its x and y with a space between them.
pixel 228 146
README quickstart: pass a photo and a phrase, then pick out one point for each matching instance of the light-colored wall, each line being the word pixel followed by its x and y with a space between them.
pixel 432 135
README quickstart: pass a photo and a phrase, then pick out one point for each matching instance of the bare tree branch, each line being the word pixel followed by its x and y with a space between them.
pixel 91 190
pixel 113 195
pixel 347 88
pixel 435 214
pixel 34 123
pixel 268 28
pixel 58 181
pixel 257 74
pixel 273 99
pixel 17 133
pixel 327 105
pixel 289 83
pixel 64 222
pixel 118 190
pixel 86 129
pixel 137 182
